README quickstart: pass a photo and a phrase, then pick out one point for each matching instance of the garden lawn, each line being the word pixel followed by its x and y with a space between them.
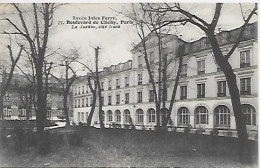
pixel 123 148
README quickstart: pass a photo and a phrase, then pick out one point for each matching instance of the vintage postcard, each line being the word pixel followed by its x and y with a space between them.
pixel 162 84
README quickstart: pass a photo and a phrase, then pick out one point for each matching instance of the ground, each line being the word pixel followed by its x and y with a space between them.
pixel 124 148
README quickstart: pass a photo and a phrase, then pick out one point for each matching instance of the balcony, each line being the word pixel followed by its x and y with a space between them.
pixel 200 96
pixel 201 72
pixel 243 92
pixel 243 65
pixel 117 102
pixel 140 83
pixel 221 94
pixel 183 75
pixel 183 97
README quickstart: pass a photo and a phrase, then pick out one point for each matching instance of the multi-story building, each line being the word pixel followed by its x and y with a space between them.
pixel 18 100
pixel 202 98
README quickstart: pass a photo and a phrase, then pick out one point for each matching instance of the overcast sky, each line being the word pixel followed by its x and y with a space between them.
pixel 117 43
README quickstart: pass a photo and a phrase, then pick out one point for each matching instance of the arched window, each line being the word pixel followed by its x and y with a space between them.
pixel 109 116
pixel 103 115
pixel 249 114
pixel 184 115
pixel 127 116
pixel 151 115
pixel 222 115
pixel 118 116
pixel 140 116
pixel 201 113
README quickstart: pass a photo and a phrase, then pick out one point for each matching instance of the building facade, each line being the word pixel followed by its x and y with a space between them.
pixel 18 100
pixel 202 98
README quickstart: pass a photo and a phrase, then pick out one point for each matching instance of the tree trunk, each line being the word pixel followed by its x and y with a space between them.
pixel 66 112
pixel 234 94
pixel 2 108
pixel 89 120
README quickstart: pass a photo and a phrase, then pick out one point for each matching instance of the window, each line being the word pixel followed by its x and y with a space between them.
pixel 78 116
pixel 140 61
pixel 245 86
pixel 60 113
pixel 151 57
pixel 222 115
pixel 87 88
pixel 151 115
pixel 184 115
pixel 183 94
pixel 151 99
pixel 117 83
pixel 78 102
pixel 201 67
pixel 140 116
pixel 201 90
pixel 201 115
pixel 82 116
pixel 118 116
pixel 184 71
pixel 48 115
pixel 117 99
pixel 126 81
pixel 102 86
pixel 109 100
pixel 109 85
pixel 79 90
pixel 110 116
pixel 127 98
pixel 83 102
pixel 7 111
pixel 140 79
pixel 22 112
pixel 7 96
pixel 103 116
pixel 91 100
pixel 244 58
pixel 102 100
pixel 249 114
pixel 82 89
pixel 127 116
pixel 139 97
pixel 221 89
pixel 86 102
pixel 75 103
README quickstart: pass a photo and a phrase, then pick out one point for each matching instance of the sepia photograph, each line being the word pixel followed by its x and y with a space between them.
pixel 129 84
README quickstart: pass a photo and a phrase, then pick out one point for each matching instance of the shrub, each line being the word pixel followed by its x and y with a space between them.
pixel 126 126
pixel 143 127
pixel 187 129
pixel 200 130
pixel 214 132
pixel 133 127
pixel 75 139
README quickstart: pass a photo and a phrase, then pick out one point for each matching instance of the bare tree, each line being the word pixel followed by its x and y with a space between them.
pixel 66 83
pixel 184 17
pixel 35 35
pixel 148 25
pixel 6 75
